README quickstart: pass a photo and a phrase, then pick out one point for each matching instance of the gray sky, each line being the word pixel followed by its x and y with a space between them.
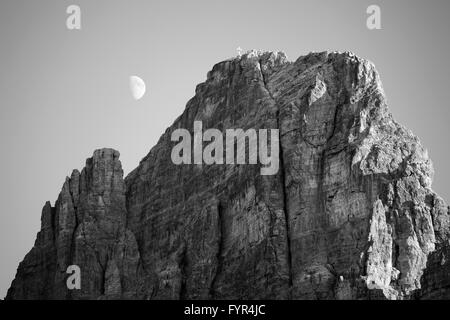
pixel 65 93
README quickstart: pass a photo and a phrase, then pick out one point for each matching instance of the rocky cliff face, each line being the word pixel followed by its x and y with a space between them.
pixel 87 227
pixel 349 215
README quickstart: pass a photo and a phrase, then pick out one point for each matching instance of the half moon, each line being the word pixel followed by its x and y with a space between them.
pixel 137 87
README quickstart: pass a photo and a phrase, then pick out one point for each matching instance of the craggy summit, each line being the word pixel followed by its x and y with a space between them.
pixel 350 213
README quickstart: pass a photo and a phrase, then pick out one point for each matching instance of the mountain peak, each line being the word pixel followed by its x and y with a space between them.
pixel 350 213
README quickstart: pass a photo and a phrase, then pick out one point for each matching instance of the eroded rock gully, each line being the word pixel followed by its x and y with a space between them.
pixel 349 215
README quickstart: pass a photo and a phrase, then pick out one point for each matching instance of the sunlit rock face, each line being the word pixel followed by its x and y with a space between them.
pixel 350 214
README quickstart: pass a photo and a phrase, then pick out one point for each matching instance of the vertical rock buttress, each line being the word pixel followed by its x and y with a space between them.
pixel 86 228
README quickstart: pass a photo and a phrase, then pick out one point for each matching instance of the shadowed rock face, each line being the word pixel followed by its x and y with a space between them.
pixel 87 227
pixel 349 215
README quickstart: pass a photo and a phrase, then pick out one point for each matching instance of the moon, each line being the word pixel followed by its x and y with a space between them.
pixel 137 87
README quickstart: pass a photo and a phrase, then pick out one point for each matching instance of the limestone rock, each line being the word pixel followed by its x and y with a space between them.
pixel 436 278
pixel 350 213
pixel 87 228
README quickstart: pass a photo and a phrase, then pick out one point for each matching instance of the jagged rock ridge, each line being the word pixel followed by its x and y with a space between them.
pixel 350 214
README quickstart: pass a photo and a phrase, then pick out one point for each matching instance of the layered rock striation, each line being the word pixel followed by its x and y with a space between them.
pixel 350 213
